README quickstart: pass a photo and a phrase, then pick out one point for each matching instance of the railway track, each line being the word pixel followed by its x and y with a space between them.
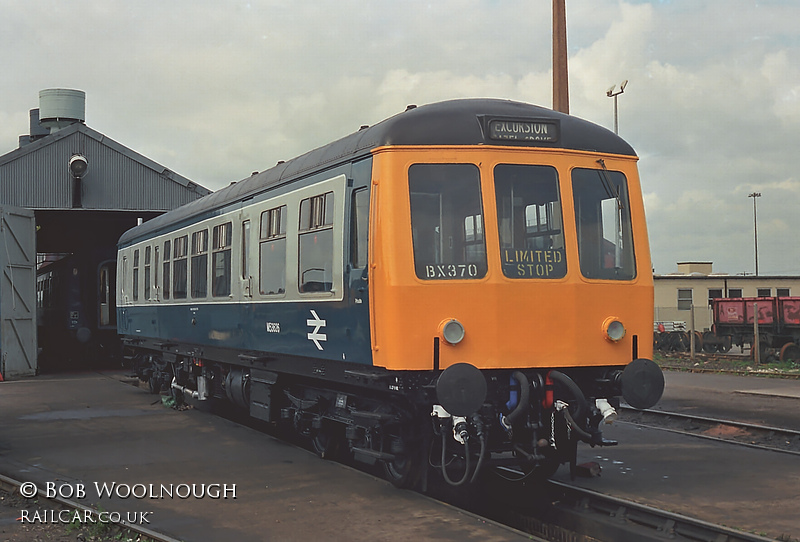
pixel 559 511
pixel 764 437
pixel 738 372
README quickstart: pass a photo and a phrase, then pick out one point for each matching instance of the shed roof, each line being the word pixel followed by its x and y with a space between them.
pixel 36 175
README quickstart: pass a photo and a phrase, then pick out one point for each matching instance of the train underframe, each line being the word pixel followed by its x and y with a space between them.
pixel 458 423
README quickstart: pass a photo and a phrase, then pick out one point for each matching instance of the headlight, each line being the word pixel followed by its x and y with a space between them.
pixel 613 329
pixel 451 331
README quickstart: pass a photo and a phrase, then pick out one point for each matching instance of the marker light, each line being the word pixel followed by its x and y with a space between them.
pixel 613 329
pixel 451 331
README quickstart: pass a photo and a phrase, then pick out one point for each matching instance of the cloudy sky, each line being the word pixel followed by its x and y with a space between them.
pixel 217 89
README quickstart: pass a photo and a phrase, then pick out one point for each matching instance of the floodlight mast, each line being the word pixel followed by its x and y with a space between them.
pixel 755 195
pixel 611 94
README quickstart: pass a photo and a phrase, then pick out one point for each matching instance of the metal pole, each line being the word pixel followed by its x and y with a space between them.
pixel 611 94
pixel 757 351
pixel 692 337
pixel 755 195
pixel 560 74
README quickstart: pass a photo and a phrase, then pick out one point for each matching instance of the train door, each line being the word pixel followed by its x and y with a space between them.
pixel 107 303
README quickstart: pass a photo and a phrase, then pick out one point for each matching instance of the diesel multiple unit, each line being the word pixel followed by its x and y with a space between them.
pixel 466 285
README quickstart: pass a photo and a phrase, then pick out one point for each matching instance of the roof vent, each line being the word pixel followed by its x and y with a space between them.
pixel 61 107
pixel 37 130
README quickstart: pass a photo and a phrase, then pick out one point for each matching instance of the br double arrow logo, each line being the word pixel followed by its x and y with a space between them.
pixel 317 323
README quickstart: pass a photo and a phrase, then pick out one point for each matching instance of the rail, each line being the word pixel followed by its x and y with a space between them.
pixel 11 485
pixel 751 435
pixel 564 512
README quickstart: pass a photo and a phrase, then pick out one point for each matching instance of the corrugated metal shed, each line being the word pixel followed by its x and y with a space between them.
pixel 36 176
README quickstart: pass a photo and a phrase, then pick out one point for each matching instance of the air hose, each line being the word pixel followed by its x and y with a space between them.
pixel 575 427
pixel 522 404
pixel 444 466
pixel 476 420
pixel 481 456
pixel 572 387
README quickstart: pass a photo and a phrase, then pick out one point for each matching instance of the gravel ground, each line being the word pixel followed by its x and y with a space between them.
pixel 723 363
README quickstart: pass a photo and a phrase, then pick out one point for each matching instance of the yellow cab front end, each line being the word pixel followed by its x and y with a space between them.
pixel 520 279
pixel 541 256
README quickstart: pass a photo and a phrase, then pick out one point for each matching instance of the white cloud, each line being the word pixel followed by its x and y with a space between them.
pixel 215 90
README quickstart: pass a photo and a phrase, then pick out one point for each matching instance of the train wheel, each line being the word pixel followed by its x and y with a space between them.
pixel 405 470
pixel 698 341
pixel 790 352
pixel 660 341
pixel 681 343
pixel 327 440
pixel 763 352
pixel 725 345
pixel 709 342
pixel 154 384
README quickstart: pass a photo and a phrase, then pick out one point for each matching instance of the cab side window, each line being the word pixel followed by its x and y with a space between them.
pixel 359 229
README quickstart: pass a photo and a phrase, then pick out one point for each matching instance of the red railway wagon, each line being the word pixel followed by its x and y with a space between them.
pixel 778 325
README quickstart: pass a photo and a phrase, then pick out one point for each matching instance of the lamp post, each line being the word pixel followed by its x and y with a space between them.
pixel 755 195
pixel 611 94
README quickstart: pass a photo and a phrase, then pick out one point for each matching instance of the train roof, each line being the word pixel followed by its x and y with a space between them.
pixel 456 122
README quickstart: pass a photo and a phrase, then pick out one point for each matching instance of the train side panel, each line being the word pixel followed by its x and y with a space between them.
pixel 255 313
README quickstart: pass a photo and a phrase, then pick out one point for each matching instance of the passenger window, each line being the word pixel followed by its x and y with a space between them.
pixel 221 260
pixel 359 228
pixel 136 275
pixel 166 269
pixel 603 221
pixel 529 222
pixel 447 221
pixel 123 289
pixel 155 271
pixel 147 252
pixel 200 263
pixel 272 252
pixel 315 272
pixel 245 249
pixel 180 267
